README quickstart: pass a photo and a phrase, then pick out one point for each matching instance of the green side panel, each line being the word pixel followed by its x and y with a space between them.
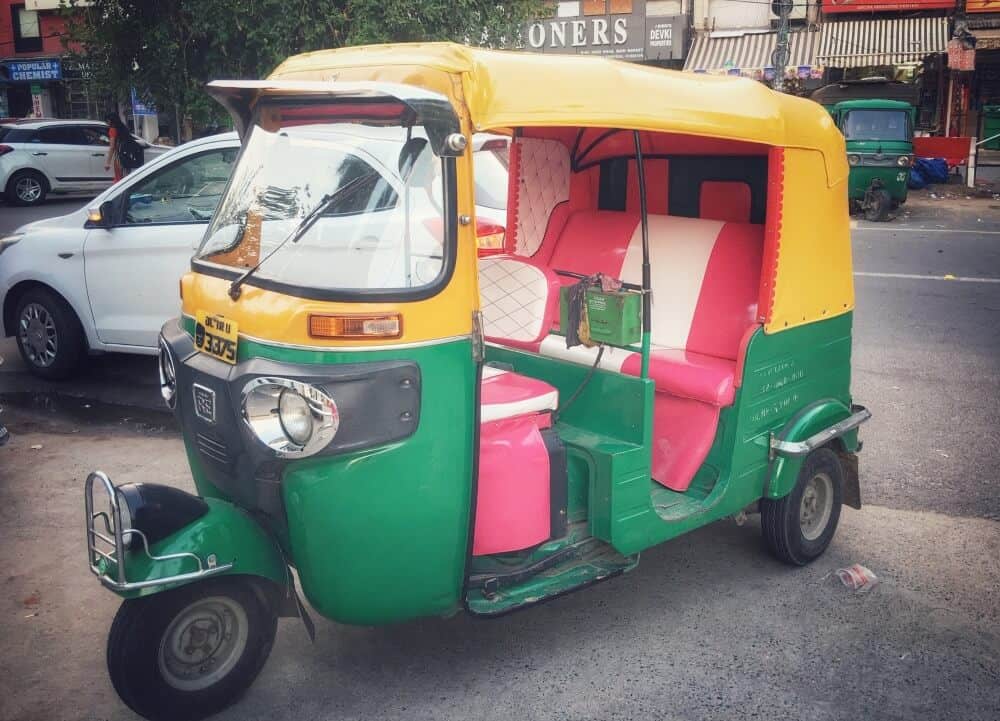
pixel 381 535
pixel 226 532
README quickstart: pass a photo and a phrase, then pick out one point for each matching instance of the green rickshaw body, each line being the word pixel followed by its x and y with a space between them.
pixel 879 138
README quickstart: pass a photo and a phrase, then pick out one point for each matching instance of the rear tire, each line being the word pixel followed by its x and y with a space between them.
pixel 27 187
pixel 799 527
pixel 49 335
pixel 189 652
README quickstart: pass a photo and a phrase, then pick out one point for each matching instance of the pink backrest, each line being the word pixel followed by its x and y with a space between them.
pixel 705 273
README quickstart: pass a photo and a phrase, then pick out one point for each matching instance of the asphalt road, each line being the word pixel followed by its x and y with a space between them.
pixel 708 626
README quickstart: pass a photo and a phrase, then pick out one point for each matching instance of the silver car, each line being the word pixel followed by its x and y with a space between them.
pixel 38 157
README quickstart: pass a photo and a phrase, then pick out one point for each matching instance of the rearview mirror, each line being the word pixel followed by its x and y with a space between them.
pixel 100 217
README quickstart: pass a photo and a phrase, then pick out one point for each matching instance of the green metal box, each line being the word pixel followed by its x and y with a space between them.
pixel 615 317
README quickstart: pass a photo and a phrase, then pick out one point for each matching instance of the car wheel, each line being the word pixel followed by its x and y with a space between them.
pixel 798 528
pixel 49 335
pixel 189 652
pixel 27 187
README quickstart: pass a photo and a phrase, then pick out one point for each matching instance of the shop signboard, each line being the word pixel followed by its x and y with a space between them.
pixel 982 6
pixel 961 56
pixel 619 35
pixel 863 6
pixel 141 108
pixel 29 71
pixel 665 37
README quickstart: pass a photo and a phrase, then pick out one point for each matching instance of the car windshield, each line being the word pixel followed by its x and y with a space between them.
pixel 877 125
pixel 375 188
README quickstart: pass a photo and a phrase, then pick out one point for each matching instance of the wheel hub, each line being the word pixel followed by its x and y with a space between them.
pixel 37 330
pixel 816 506
pixel 28 189
pixel 203 643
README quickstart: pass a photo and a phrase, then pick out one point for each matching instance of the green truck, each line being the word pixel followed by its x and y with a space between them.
pixel 879 135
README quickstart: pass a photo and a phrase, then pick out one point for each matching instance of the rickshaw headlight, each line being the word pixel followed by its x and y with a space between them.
pixel 854 159
pixel 903 161
pixel 292 418
pixel 295 416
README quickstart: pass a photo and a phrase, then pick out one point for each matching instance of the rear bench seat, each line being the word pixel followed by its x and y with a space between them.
pixel 705 282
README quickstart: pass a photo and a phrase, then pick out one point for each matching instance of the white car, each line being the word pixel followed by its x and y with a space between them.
pixel 69 285
pixel 38 157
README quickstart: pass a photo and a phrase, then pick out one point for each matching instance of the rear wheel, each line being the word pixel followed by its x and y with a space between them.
pixel 49 335
pixel 27 187
pixel 188 653
pixel 799 527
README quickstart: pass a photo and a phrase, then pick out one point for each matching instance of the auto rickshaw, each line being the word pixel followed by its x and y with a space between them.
pixel 379 417
pixel 879 136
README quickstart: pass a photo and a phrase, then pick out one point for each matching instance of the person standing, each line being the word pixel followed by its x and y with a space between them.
pixel 117 132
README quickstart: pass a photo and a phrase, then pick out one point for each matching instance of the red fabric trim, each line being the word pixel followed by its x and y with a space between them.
pixel 657 172
pixel 684 374
pixel 594 242
pixel 741 357
pixel 513 180
pixel 772 233
pixel 683 433
pixel 728 297
pixel 557 222
pixel 725 200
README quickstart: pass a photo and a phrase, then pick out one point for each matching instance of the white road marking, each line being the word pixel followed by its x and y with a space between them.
pixel 915 276
pixel 924 230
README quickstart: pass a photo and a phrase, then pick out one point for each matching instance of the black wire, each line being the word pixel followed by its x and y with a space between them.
pixel 590 374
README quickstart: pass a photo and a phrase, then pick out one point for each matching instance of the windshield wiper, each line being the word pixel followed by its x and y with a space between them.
pixel 301 229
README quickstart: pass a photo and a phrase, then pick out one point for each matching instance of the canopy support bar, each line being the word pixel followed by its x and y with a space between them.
pixel 646 272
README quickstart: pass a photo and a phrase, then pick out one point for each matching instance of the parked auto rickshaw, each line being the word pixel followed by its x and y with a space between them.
pixel 418 431
pixel 879 136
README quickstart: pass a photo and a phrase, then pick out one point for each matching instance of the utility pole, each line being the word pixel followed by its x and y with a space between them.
pixel 779 58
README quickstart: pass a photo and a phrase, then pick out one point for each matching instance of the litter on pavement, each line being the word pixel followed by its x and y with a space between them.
pixel 857 578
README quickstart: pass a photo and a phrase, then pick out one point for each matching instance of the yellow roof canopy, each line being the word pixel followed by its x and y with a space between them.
pixel 503 89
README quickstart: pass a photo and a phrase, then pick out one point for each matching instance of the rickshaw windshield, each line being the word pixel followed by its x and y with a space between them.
pixel 333 204
pixel 877 125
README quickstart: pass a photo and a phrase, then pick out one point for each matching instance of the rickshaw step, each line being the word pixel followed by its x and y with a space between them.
pixel 595 562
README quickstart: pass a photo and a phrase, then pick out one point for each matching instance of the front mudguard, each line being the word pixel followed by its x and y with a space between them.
pixel 223 540
pixel 827 422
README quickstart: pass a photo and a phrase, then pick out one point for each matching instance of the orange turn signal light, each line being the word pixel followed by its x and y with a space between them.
pixel 356 326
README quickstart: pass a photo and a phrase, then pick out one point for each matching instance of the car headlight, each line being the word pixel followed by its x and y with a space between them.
pixel 168 375
pixel 854 159
pixel 903 161
pixel 9 240
pixel 292 418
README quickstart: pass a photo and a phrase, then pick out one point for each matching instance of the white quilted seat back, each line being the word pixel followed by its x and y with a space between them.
pixel 514 295
pixel 543 183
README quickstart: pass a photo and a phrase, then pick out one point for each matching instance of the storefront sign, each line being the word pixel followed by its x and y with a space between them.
pixel 141 108
pixel 861 6
pixel 617 36
pixel 665 37
pixel 982 6
pixel 26 71
pixel 960 55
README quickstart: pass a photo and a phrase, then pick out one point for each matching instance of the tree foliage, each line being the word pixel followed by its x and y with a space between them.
pixel 169 49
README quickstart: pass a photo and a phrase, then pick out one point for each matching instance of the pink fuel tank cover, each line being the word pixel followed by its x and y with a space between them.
pixel 512 502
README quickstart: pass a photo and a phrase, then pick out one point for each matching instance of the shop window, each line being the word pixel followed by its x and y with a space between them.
pixel 27 30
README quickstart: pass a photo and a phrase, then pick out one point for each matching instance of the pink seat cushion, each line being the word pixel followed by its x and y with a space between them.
pixel 683 432
pixel 504 394
pixel 688 375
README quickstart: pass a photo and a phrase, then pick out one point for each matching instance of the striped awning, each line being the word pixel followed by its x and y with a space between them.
pixel 860 43
pixel 742 53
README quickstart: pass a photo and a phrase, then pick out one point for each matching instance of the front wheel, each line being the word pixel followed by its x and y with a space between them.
pixel 187 653
pixel 798 528
pixel 27 187
pixel 877 205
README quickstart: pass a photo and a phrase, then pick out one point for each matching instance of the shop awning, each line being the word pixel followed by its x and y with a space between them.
pixel 861 43
pixel 750 53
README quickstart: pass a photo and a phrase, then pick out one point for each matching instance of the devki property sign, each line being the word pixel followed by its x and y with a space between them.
pixel 623 35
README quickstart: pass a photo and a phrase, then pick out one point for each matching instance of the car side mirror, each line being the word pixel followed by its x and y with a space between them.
pixel 100 217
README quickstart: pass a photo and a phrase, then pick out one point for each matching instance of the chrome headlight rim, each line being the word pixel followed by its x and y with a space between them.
pixel 903 161
pixel 853 159
pixel 261 414
pixel 168 374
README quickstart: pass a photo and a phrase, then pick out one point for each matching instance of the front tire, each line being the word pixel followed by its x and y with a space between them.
pixel 799 527
pixel 189 652
pixel 27 187
pixel 49 335
pixel 878 203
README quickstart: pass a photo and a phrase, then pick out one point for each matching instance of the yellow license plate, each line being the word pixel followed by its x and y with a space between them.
pixel 216 336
